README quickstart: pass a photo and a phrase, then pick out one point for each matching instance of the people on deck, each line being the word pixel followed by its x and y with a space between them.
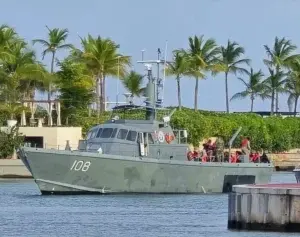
pixel 254 157
pixel 209 147
pixel 219 149
pixel 245 146
pixel 264 158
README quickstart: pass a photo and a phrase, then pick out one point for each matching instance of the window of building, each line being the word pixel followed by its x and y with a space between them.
pixel 99 132
pixel 106 133
pixel 131 136
pixel 122 134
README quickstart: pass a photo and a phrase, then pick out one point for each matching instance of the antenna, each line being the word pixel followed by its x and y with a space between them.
pixel 157 81
pixel 164 77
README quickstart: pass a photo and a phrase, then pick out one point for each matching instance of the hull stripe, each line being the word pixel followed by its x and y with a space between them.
pixel 74 186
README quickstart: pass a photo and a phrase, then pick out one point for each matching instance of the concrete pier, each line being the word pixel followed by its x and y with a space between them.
pixel 13 169
pixel 270 207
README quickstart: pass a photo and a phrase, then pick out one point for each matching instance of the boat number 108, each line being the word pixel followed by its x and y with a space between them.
pixel 80 165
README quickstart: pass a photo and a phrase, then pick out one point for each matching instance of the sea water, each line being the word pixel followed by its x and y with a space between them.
pixel 24 212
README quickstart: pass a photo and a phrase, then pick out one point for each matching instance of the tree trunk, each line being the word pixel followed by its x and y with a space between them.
pixel 296 102
pixel 101 95
pixel 252 102
pixel 277 100
pixel 50 122
pixel 226 92
pixel 98 95
pixel 178 92
pixel 272 102
pixel 196 94
pixel 104 94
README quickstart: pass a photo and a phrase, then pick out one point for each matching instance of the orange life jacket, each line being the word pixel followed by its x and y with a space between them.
pixel 233 158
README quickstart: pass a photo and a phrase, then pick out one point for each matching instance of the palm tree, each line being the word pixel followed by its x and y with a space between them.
pixel 292 86
pixel 274 83
pixel 231 62
pixel 254 87
pixel 101 57
pixel 133 83
pixel 202 56
pixel 56 41
pixel 280 57
pixel 178 68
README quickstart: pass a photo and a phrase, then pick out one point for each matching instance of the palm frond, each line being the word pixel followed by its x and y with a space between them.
pixel 240 95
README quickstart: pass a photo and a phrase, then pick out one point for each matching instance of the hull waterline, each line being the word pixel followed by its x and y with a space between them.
pixel 72 172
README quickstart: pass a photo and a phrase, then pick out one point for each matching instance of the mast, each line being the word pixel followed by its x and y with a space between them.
pixel 154 85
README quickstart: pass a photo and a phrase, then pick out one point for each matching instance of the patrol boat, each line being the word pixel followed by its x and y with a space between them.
pixel 136 156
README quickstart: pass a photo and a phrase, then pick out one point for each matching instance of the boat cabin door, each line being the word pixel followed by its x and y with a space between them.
pixel 141 142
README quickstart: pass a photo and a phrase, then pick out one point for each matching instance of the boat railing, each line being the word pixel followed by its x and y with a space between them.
pixel 181 136
pixel 136 112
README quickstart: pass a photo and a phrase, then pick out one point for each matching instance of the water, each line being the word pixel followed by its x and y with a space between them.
pixel 24 212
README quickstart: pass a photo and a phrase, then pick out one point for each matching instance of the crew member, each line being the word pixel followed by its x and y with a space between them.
pixel 246 146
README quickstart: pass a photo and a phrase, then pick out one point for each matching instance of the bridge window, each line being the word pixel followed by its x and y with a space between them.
pixel 114 133
pixel 106 133
pixel 99 132
pixel 122 134
pixel 149 137
pixel 131 136
pixel 93 133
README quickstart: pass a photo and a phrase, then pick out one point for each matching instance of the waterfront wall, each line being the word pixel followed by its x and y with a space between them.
pixel 285 161
pixel 273 207
pixel 13 168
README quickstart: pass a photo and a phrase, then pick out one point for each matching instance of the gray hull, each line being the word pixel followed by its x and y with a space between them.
pixel 72 172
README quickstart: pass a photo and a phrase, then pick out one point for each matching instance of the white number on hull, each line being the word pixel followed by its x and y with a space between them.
pixel 80 165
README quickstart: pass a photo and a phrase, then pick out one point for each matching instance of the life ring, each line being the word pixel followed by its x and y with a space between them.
pixel 169 138
pixel 190 156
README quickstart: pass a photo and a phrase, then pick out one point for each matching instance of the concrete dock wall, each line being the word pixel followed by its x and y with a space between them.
pixel 265 207
pixel 13 169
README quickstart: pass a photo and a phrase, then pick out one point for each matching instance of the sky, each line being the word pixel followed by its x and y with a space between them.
pixel 139 24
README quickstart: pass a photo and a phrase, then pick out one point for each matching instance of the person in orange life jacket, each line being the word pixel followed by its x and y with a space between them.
pixel 203 155
pixel 196 155
pixel 235 157
pixel 254 157
pixel 246 146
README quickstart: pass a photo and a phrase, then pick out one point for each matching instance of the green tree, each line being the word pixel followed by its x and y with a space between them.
pixel 203 57
pixel 101 57
pixel 231 62
pixel 280 57
pixel 254 87
pixel 76 85
pixel 178 68
pixel 133 83
pixel 292 85
pixel 274 83
pixel 56 41
pixel 9 141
